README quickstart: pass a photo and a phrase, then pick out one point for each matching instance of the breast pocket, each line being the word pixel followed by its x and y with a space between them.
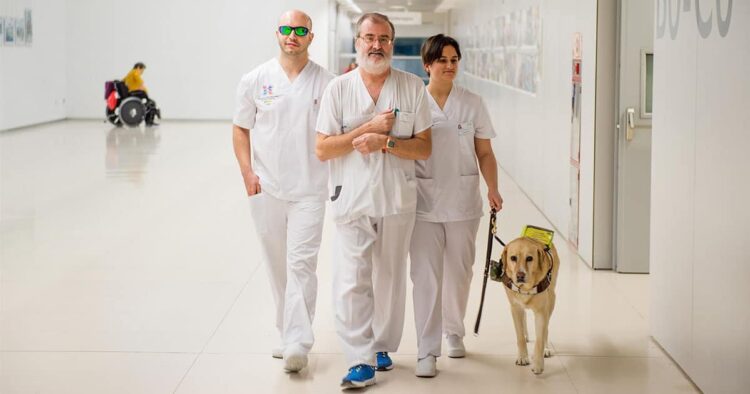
pixel 352 122
pixel 403 127
pixel 468 158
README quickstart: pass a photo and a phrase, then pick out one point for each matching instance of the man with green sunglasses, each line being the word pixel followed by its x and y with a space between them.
pixel 299 31
pixel 285 183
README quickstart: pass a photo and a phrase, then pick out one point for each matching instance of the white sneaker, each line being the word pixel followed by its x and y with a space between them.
pixel 426 367
pixel 294 362
pixel 456 347
pixel 277 352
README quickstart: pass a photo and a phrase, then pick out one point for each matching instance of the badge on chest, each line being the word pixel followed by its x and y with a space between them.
pixel 465 127
pixel 267 96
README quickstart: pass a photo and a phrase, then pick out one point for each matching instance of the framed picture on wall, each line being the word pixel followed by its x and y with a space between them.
pixel 10 31
pixel 20 32
pixel 2 31
pixel 29 26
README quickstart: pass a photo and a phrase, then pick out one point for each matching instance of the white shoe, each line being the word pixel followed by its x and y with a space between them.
pixel 277 352
pixel 294 362
pixel 426 367
pixel 456 347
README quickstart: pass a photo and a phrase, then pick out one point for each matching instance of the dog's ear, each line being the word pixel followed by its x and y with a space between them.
pixel 540 258
pixel 504 257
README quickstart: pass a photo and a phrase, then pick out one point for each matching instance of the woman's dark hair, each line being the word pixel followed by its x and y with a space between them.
pixel 432 48
pixel 139 65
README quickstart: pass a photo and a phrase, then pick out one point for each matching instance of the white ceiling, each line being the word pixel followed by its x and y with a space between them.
pixel 398 5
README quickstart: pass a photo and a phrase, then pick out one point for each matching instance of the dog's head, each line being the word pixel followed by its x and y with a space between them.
pixel 525 262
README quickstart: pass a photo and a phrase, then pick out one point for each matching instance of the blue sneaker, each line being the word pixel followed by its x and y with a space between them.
pixel 359 376
pixel 384 361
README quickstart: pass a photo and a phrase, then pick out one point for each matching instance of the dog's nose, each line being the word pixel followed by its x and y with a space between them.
pixel 520 277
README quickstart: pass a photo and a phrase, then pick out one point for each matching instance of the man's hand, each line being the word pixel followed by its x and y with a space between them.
pixel 252 183
pixel 369 142
pixel 382 123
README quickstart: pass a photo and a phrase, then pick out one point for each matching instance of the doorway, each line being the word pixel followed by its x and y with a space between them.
pixel 633 98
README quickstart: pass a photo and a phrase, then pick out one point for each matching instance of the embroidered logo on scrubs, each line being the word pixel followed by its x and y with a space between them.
pixel 267 96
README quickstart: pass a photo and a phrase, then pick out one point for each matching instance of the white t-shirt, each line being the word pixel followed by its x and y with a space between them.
pixel 377 184
pixel 448 182
pixel 281 115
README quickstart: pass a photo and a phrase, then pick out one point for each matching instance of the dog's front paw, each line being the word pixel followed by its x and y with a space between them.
pixel 522 360
pixel 547 353
pixel 537 368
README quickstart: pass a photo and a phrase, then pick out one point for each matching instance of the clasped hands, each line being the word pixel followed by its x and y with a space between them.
pixel 375 139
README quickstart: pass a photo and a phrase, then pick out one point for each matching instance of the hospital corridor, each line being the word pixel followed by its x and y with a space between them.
pixel 165 186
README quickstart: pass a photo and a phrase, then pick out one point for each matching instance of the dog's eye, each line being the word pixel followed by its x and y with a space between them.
pixel 513 258
pixel 529 258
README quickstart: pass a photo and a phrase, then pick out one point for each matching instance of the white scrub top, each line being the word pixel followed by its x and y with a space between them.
pixel 377 184
pixel 448 182
pixel 281 115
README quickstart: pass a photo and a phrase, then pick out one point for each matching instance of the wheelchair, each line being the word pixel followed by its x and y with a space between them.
pixel 128 108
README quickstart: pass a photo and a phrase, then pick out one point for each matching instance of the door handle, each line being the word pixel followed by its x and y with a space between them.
pixel 630 124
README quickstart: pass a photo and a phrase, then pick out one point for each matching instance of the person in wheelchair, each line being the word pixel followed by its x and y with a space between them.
pixel 134 82
pixel 127 100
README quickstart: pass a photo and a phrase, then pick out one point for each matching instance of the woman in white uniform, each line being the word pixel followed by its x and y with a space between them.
pixel 449 205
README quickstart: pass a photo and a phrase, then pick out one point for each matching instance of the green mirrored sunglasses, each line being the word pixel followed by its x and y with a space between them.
pixel 299 31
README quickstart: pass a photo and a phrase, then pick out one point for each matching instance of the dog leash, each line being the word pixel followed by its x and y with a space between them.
pixel 492 234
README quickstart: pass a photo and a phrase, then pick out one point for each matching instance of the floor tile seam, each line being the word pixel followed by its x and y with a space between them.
pixel 625 297
pixel 567 373
pixel 570 355
pixel 469 355
pixel 216 329
pixel 89 352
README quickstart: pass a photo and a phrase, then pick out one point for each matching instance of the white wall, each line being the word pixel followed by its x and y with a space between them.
pixel 533 143
pixel 32 78
pixel 700 256
pixel 195 51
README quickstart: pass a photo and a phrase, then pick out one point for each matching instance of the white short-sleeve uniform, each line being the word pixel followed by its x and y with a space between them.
pixel 373 200
pixel 288 214
pixel 448 210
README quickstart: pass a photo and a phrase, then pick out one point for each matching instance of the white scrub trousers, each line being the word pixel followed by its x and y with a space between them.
pixel 442 255
pixel 289 233
pixel 369 285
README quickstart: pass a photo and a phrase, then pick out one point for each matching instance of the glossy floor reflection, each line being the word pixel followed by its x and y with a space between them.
pixel 129 265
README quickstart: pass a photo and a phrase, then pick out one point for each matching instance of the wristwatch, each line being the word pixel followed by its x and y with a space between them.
pixel 390 143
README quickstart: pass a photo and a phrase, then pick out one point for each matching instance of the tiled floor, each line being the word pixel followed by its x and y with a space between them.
pixel 129 266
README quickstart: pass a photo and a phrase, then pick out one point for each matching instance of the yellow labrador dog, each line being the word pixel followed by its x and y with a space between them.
pixel 529 278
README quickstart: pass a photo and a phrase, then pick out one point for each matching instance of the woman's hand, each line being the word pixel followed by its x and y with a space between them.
pixel 496 200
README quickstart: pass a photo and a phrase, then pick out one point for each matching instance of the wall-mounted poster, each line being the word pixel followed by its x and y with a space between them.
pixel 507 49
pixel 10 31
pixel 20 32
pixel 2 31
pixel 29 26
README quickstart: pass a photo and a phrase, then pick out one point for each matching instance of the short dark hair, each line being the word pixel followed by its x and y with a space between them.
pixel 139 65
pixel 432 48
pixel 376 17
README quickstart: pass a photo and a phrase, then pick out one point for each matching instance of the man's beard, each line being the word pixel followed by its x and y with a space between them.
pixel 373 66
